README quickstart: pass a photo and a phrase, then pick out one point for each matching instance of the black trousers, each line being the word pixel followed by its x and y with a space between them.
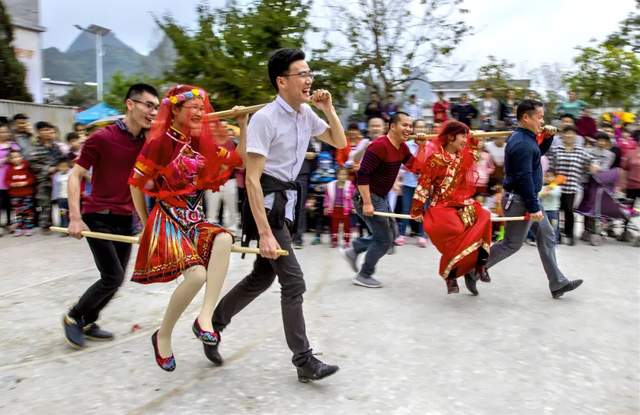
pixel 5 204
pixel 111 258
pixel 292 285
pixel 301 214
pixel 566 206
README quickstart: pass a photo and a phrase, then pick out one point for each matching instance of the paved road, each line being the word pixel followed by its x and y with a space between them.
pixel 405 349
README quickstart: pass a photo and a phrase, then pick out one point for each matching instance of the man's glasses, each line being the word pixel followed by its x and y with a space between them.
pixel 151 106
pixel 303 74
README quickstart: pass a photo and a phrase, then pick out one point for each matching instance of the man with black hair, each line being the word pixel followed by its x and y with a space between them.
pixel 43 158
pixel 23 132
pixel 573 163
pixel 277 140
pixel 522 184
pixel 464 111
pixel 375 178
pixel 567 120
pixel 111 152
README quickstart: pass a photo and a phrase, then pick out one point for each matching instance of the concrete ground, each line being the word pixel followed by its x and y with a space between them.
pixel 405 349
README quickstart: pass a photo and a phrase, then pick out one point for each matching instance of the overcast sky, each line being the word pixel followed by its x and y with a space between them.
pixel 525 32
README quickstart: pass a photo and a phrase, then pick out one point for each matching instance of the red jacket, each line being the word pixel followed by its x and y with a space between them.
pixel 21 173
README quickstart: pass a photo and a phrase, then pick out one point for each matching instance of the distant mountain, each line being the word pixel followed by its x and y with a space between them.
pixel 78 63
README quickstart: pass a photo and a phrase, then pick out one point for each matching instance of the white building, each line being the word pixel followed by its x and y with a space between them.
pixel 27 34
pixel 53 91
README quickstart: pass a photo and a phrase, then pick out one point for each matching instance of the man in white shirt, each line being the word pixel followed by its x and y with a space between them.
pixel 277 140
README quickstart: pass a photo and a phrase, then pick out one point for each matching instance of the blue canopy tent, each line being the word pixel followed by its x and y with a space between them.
pixel 97 112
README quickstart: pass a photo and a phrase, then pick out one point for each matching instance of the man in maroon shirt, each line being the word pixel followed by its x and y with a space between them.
pixel 375 178
pixel 111 152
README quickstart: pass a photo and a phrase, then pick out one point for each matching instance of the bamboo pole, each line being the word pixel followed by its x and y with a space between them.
pixel 475 133
pixel 235 112
pixel 134 240
pixel 493 218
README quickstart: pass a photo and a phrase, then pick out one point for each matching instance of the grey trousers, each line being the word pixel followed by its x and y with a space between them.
pixel 515 234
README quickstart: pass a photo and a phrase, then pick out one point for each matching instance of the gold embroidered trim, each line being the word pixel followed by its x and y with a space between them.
pixel 467 251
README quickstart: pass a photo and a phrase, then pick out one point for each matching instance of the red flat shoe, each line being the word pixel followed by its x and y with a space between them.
pixel 165 363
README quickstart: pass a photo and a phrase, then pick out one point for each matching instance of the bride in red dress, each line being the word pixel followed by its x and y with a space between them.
pixel 179 161
pixel 458 226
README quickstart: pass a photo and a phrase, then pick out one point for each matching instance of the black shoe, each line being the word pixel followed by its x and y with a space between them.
pixel 212 353
pixel 483 273
pixel 94 332
pixel 470 283
pixel 314 369
pixel 73 332
pixel 572 285
pixel 452 285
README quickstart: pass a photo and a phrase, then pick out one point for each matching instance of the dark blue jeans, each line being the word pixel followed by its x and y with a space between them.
pixel 378 243
pixel 407 198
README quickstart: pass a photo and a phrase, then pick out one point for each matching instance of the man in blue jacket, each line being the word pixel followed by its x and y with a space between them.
pixel 522 183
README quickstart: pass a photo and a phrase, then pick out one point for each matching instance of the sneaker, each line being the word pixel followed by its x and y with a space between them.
pixel 314 369
pixel 368 282
pixel 399 241
pixel 29 232
pixel 316 241
pixel 422 242
pixel 94 332
pixel 18 232
pixel 298 245
pixel 73 332
pixel 351 257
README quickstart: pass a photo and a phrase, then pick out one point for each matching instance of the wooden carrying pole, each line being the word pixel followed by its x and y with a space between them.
pixel 134 240
pixel 493 219
pixel 479 134
pixel 234 113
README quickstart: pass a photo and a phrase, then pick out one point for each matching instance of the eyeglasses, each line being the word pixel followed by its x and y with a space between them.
pixel 150 105
pixel 303 74
pixel 194 108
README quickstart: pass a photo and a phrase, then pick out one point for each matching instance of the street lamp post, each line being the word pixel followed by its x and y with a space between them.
pixel 99 32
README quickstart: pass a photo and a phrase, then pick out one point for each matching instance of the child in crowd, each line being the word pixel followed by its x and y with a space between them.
pixel 550 200
pixel 20 182
pixel 485 168
pixel 75 145
pixel 324 173
pixel 59 192
pixel 338 205
pixel 493 203
pixel 7 145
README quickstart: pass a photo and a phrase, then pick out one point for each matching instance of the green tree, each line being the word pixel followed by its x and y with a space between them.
pixel 12 72
pixel 494 75
pixel 629 33
pixel 609 73
pixel 390 44
pixel 228 52
pixel 606 75
pixel 117 88
pixel 80 95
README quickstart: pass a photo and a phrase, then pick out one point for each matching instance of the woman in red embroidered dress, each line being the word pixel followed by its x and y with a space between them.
pixel 179 161
pixel 458 226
